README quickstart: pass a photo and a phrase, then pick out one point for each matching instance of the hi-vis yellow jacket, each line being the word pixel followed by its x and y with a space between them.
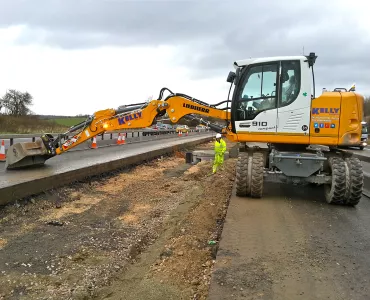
pixel 220 147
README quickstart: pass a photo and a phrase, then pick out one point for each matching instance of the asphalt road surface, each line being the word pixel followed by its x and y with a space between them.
pixel 291 244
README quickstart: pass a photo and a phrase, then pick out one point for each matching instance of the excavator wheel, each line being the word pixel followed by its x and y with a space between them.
pixel 355 181
pixel 258 163
pixel 335 192
pixel 242 174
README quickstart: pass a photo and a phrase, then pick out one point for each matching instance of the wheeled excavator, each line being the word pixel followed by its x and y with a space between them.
pixel 274 103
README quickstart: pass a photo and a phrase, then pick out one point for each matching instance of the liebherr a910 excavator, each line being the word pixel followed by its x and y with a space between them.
pixel 273 102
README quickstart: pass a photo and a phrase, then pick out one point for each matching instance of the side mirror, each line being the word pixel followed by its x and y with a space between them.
pixel 231 77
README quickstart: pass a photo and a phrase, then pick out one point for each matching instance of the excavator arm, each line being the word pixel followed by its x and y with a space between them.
pixel 134 116
pixel 110 120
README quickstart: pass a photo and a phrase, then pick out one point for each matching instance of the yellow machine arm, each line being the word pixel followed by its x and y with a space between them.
pixel 111 120
pixel 133 116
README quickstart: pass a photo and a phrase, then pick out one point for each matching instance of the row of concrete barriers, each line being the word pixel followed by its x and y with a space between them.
pixel 109 138
pixel 128 132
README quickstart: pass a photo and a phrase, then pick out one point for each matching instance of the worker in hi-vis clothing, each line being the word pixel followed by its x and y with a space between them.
pixel 220 149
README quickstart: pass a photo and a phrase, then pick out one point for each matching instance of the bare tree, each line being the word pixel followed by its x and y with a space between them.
pixel 17 103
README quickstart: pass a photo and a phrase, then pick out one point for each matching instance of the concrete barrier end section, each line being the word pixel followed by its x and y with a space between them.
pixel 366 189
pixel 363 158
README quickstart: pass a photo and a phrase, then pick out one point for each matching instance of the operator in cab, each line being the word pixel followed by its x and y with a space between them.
pixel 220 149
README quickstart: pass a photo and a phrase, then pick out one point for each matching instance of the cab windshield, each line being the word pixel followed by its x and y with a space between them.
pixel 364 129
pixel 259 90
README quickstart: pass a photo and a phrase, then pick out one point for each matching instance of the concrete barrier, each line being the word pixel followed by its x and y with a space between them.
pixel 103 140
pixel 366 188
pixel 28 188
pixel 131 133
pixel 362 157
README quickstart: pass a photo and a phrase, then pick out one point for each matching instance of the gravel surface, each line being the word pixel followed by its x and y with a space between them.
pixel 151 231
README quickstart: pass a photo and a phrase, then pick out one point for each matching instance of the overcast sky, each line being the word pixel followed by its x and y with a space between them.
pixel 76 57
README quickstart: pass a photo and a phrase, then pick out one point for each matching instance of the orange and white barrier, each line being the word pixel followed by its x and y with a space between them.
pixel 119 140
pixel 180 133
pixel 2 151
pixel 94 145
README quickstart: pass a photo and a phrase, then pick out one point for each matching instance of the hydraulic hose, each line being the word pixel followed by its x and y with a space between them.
pixel 214 127
pixel 129 108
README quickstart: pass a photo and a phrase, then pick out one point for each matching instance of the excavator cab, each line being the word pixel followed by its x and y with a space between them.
pixel 274 101
pixel 272 97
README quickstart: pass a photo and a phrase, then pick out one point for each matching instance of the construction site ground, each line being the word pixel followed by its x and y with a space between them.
pixel 153 232
pixel 149 232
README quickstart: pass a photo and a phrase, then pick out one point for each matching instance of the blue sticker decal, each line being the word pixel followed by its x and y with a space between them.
pixel 321 125
pixel 332 125
pixel 316 125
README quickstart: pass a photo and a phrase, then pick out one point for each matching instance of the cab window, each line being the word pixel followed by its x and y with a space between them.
pixel 257 92
pixel 290 82
pixel 364 129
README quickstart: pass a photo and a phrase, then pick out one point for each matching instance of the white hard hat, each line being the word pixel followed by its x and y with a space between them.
pixel 218 135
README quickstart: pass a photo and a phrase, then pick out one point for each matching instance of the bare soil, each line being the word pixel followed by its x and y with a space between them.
pixel 151 232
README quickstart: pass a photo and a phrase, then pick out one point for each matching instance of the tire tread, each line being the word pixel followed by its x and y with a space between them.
pixel 336 193
pixel 241 179
pixel 257 175
pixel 356 181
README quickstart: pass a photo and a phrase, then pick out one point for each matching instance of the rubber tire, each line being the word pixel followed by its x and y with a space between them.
pixel 361 148
pixel 336 192
pixel 241 179
pixel 355 181
pixel 258 163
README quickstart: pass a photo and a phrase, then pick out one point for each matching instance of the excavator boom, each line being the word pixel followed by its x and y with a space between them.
pixel 134 116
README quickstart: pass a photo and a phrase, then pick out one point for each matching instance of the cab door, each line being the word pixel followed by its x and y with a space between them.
pixel 255 101
pixel 294 98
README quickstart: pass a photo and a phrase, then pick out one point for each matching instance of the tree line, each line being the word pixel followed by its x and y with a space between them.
pixel 16 103
pixel 367 107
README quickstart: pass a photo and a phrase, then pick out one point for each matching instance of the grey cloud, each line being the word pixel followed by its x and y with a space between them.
pixel 114 22
pixel 210 34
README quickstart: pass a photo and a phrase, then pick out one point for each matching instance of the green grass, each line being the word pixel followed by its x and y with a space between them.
pixel 29 124
pixel 33 124
pixel 68 121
